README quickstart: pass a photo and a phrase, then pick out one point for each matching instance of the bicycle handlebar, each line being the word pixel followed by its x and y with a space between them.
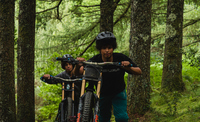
pixel 67 80
pixel 75 61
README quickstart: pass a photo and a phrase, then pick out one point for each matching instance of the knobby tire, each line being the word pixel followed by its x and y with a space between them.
pixel 87 107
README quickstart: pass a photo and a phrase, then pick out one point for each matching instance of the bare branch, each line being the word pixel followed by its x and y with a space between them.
pixel 123 14
pixel 87 47
pixel 192 36
pixel 191 43
pixel 58 10
pixel 192 21
pixel 50 8
pixel 86 6
pixel 115 4
pixel 157 37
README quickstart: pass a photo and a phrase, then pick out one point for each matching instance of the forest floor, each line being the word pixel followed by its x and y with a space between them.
pixel 168 107
pixel 174 107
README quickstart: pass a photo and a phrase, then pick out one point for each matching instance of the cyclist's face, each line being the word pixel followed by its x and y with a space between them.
pixel 107 51
pixel 68 67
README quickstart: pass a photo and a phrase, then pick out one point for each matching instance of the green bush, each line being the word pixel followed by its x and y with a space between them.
pixel 51 95
pixel 156 75
pixel 190 73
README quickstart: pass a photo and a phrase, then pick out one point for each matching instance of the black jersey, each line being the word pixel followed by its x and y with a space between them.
pixel 113 76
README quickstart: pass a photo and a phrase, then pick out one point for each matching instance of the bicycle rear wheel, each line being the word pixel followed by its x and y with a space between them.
pixel 68 109
pixel 87 107
pixel 65 110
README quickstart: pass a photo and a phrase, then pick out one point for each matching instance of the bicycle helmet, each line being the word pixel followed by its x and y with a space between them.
pixel 68 59
pixel 67 56
pixel 105 38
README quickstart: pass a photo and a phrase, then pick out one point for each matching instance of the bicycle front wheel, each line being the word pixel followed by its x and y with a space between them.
pixel 87 107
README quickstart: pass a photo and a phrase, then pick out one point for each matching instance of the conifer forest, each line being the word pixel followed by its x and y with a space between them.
pixel 161 36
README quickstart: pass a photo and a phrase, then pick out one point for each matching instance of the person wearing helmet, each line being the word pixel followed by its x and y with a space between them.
pixel 68 67
pixel 113 91
pixel 66 74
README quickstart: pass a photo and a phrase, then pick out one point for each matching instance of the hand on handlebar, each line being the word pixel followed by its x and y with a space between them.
pixel 125 63
pixel 80 60
pixel 46 76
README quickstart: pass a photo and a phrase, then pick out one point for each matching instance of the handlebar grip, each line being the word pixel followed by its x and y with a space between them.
pixel 42 79
pixel 57 58
pixel 130 65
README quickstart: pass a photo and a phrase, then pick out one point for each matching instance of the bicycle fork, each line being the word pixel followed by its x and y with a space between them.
pixel 96 96
pixel 96 110
pixel 80 109
pixel 80 106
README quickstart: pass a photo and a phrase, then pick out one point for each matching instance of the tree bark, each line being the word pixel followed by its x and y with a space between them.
pixel 25 58
pixel 172 65
pixel 7 77
pixel 107 8
pixel 138 89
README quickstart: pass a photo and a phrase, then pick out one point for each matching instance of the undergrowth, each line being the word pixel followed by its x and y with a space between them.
pixel 165 107
pixel 175 107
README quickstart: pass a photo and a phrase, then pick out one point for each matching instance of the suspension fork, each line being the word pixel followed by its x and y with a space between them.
pixel 62 104
pixel 63 91
pixel 80 106
pixel 99 86
pixel 80 109
pixel 97 96
pixel 73 116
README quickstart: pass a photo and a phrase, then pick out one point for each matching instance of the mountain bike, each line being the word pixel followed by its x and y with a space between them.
pixel 66 111
pixel 67 108
pixel 89 97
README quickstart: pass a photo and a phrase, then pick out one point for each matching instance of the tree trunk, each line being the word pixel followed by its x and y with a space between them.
pixel 172 65
pixel 107 8
pixel 138 89
pixel 25 70
pixel 7 76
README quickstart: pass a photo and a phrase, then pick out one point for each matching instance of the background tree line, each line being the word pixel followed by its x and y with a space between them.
pixel 148 31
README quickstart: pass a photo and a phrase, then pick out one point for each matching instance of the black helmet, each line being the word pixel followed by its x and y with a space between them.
pixel 68 59
pixel 105 35
pixel 67 56
pixel 105 38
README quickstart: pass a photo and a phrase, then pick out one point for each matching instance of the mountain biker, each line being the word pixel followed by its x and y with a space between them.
pixel 113 91
pixel 68 67
pixel 66 74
